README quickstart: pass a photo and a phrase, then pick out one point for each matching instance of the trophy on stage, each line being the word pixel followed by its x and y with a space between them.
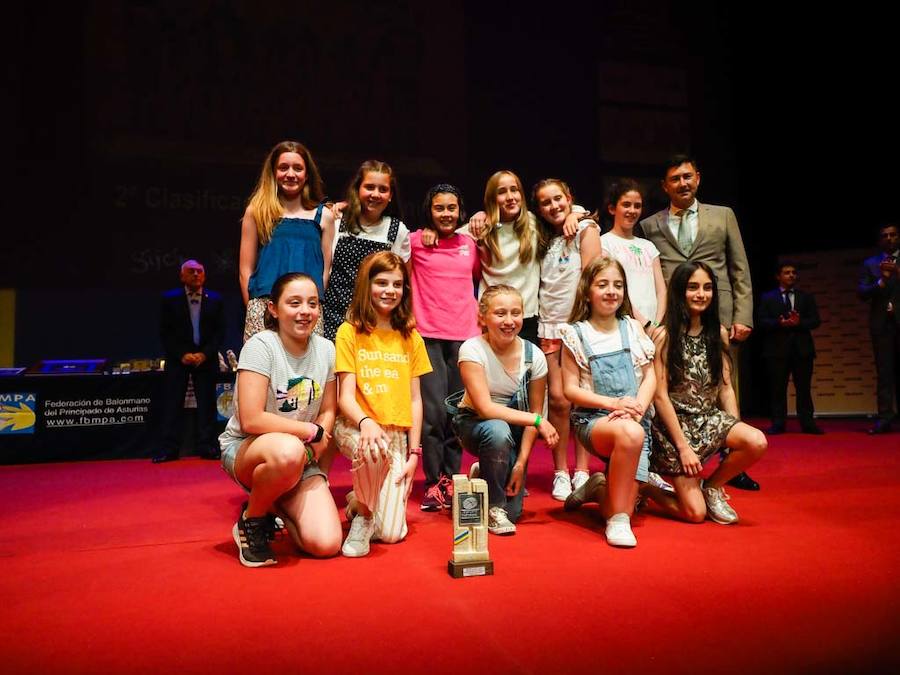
pixel 470 533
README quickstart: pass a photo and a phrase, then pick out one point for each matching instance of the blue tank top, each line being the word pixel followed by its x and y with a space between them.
pixel 295 246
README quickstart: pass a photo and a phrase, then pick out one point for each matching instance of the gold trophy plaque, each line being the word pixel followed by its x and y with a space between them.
pixel 470 533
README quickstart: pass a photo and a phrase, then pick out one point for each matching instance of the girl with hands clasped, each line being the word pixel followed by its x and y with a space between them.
pixel 499 413
pixel 284 406
pixel 285 229
pixel 608 375
pixel 697 411
pixel 380 358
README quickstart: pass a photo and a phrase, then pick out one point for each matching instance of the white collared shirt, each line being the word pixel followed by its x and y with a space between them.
pixel 692 217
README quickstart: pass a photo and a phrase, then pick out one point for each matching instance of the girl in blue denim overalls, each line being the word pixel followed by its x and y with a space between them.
pixel 608 377
pixel 499 415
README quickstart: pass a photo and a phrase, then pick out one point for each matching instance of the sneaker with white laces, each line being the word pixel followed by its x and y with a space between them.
pixel 356 545
pixel 579 479
pixel 562 486
pixel 252 538
pixel 585 492
pixel 656 480
pixel 618 531
pixel 717 507
pixel 499 522
pixel 474 470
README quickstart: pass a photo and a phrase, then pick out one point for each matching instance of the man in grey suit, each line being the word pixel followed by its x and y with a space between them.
pixel 880 285
pixel 691 231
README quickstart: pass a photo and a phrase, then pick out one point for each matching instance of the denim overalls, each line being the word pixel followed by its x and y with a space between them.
pixel 612 375
pixel 495 442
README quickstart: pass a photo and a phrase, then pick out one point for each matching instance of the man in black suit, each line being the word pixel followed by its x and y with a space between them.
pixel 879 284
pixel 788 315
pixel 192 327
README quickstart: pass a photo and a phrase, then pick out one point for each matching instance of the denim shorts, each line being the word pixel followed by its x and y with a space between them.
pixel 229 455
pixel 584 424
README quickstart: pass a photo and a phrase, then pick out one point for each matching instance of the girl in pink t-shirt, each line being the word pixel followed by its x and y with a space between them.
pixel 443 295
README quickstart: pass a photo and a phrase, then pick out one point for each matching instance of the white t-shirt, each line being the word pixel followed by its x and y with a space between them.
pixel 560 272
pixel 642 348
pixel 500 383
pixel 379 232
pixel 296 384
pixel 508 270
pixel 637 256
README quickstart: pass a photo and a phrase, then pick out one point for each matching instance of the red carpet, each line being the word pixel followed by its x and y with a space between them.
pixel 127 567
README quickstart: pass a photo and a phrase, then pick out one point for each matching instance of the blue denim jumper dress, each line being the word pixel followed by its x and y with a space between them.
pixel 612 374
pixel 495 442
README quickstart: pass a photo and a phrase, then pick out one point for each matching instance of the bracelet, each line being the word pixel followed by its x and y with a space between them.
pixel 416 451
pixel 362 419
pixel 537 421
pixel 310 456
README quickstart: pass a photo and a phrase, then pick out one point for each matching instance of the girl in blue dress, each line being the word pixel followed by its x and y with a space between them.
pixel 285 229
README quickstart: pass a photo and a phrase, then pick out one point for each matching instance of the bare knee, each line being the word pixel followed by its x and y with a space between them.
pixel 694 513
pixel 324 546
pixel 286 455
pixel 559 406
pixel 630 436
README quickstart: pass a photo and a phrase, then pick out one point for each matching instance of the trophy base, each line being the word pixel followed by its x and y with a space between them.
pixel 480 568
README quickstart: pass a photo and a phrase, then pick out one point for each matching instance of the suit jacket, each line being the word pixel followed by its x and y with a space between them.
pixel 879 297
pixel 719 245
pixel 177 333
pixel 779 339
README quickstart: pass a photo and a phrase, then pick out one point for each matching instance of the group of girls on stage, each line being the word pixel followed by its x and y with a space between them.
pixel 560 309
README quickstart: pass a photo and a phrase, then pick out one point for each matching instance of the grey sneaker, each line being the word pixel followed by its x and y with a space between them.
pixel 499 522
pixel 356 545
pixel 717 507
pixel 585 492
pixel 656 480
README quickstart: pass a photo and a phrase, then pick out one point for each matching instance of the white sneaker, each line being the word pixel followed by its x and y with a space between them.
pixel 474 470
pixel 656 480
pixel 717 507
pixel 579 479
pixel 618 531
pixel 499 522
pixel 562 486
pixel 356 545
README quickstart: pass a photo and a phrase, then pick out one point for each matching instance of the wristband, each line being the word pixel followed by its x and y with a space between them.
pixel 362 419
pixel 537 421
pixel 416 451
pixel 310 456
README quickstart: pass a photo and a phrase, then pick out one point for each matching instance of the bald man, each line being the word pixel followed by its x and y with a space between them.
pixel 192 327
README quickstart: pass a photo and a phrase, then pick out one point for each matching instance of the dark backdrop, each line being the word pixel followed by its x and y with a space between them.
pixel 134 132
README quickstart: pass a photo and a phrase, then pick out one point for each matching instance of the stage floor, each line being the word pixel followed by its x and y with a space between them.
pixel 126 566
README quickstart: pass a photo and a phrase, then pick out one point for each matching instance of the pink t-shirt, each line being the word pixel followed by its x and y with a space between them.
pixel 443 293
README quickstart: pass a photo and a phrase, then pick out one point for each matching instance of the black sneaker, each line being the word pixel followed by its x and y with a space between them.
pixel 274 526
pixel 252 538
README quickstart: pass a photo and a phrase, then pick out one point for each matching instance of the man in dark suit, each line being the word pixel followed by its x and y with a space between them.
pixel 788 315
pixel 879 284
pixel 192 327
pixel 690 231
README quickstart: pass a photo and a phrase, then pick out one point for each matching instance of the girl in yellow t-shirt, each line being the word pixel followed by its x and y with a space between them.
pixel 380 357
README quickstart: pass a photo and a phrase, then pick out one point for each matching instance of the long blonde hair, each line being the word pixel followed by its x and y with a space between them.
pixel 264 203
pixel 525 224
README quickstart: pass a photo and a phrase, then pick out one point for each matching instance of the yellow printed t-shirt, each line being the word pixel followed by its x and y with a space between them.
pixel 384 363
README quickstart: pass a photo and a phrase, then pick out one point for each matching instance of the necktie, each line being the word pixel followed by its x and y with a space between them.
pixel 789 300
pixel 684 232
pixel 194 309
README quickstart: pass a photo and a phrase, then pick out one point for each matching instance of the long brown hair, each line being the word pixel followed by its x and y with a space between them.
pixel 361 314
pixel 264 203
pixel 351 213
pixel 581 308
